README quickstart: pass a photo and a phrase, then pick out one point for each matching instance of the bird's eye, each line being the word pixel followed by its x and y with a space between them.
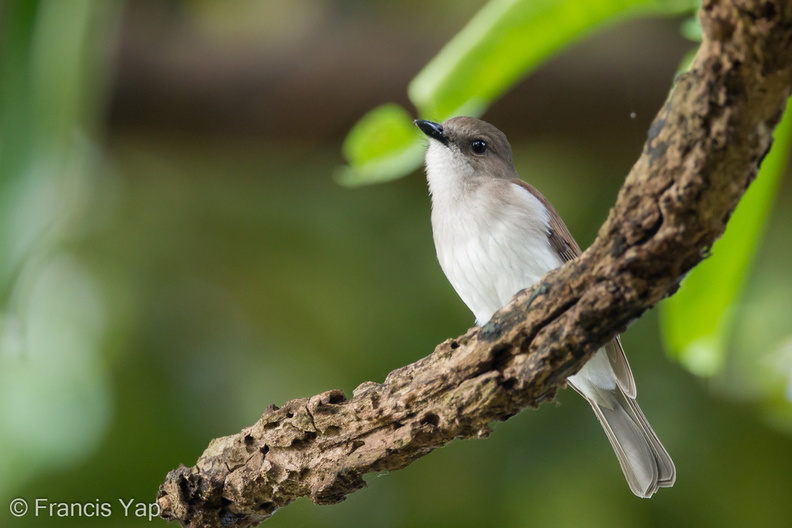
pixel 479 146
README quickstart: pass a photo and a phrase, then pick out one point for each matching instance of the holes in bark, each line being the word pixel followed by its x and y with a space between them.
pixel 249 443
pixel 336 397
pixel 500 357
pixel 307 438
pixel 332 430
pixel 430 419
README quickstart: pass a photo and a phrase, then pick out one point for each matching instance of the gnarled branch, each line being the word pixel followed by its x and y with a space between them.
pixel 703 150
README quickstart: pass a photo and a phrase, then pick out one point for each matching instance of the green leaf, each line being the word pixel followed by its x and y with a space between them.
pixel 503 42
pixel 506 40
pixel 691 29
pixel 382 146
pixel 697 322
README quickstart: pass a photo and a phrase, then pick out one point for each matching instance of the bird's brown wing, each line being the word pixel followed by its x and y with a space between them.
pixel 562 241
pixel 559 236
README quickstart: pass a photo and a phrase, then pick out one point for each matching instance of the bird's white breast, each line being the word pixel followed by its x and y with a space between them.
pixel 491 240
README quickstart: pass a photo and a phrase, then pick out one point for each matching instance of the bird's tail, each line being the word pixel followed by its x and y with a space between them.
pixel 643 459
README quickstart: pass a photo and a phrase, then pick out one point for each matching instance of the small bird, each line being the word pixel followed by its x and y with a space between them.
pixel 496 235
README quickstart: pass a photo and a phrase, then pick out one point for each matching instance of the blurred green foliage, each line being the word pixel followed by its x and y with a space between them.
pixel 162 289
pixel 698 322
pixel 52 316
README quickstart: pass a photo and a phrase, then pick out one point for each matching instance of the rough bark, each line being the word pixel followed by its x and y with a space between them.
pixel 702 151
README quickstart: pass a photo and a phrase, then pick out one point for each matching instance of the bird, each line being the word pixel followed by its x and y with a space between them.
pixel 495 235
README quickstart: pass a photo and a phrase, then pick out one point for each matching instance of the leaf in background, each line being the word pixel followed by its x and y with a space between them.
pixel 382 146
pixel 503 42
pixel 696 323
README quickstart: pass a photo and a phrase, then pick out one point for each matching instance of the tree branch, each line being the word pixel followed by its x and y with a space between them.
pixel 703 150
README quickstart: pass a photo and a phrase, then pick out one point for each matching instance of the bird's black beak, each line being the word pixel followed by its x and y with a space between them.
pixel 432 130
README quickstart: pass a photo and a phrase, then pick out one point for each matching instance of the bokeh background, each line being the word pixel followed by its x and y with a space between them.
pixel 177 255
